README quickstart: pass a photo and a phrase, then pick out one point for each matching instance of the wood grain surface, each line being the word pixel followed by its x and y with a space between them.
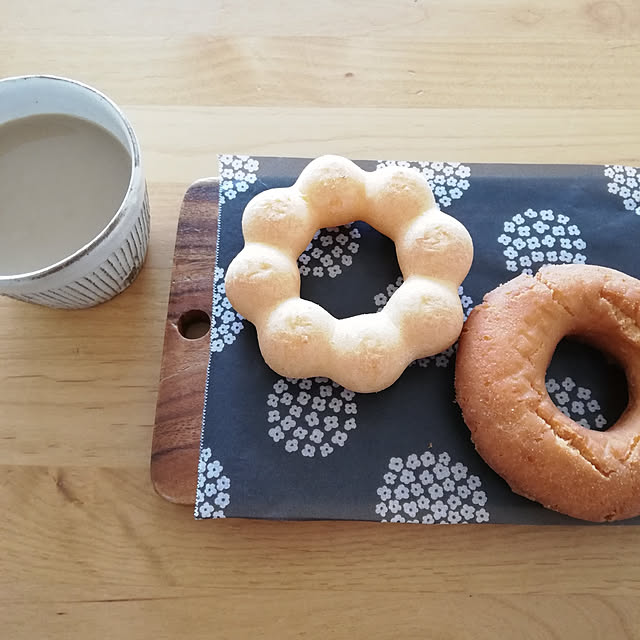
pixel 183 369
pixel 88 550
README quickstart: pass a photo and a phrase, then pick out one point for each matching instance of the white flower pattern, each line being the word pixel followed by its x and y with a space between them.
pixel 577 403
pixel 443 358
pixel 448 180
pixel 428 489
pixel 226 323
pixel 533 238
pixel 314 416
pixel 331 250
pixel 237 174
pixel 625 183
pixel 212 496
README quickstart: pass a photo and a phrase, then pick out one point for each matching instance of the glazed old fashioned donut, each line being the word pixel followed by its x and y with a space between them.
pixel 364 353
pixel 503 354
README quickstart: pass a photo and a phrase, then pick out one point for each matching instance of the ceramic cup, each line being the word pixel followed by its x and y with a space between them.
pixel 108 263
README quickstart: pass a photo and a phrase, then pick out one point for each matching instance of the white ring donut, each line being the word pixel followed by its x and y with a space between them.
pixel 368 352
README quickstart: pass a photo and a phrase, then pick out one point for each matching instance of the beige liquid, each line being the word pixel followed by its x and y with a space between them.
pixel 62 179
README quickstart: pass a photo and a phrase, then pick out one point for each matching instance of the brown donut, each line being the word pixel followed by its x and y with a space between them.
pixel 504 351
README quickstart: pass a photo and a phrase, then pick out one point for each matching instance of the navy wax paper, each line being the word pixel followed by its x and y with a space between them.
pixel 309 449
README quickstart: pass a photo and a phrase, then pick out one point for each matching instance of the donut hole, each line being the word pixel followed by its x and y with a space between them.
pixel 587 385
pixel 334 268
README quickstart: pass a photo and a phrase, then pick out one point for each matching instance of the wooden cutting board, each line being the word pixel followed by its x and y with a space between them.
pixel 176 435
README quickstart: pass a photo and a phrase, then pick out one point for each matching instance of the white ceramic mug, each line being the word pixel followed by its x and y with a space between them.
pixel 108 263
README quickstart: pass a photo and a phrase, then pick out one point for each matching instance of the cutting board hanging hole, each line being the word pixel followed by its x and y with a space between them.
pixel 194 324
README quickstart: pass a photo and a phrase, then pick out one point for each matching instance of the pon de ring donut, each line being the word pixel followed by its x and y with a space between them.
pixel 368 352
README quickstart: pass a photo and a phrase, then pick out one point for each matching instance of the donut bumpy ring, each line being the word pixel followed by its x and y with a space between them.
pixel 368 352
pixel 503 354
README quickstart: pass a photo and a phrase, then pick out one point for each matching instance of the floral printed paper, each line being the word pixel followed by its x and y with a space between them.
pixel 283 448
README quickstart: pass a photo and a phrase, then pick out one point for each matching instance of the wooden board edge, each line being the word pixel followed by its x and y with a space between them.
pixel 176 435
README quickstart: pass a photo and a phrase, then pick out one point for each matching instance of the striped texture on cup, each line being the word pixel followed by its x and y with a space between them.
pixel 111 277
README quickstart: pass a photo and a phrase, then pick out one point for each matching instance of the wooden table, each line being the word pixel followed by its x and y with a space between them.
pixel 87 550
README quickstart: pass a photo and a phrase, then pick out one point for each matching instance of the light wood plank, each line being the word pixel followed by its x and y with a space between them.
pixel 298 614
pixel 109 519
pixel 353 72
pixel 401 19
pixel 180 142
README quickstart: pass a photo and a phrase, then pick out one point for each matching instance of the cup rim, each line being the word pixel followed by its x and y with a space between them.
pixel 118 216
